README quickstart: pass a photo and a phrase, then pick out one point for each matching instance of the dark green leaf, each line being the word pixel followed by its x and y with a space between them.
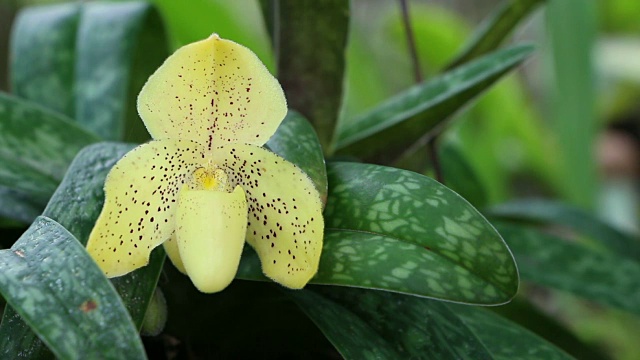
pixel 550 328
pixel 504 339
pixel 352 336
pixel 387 130
pixel 396 326
pixel 310 52
pixel 578 220
pixel 495 29
pixel 19 206
pixel 597 276
pixel 18 341
pixel 296 141
pixel 54 285
pixel 460 176
pixel 119 46
pixel 42 55
pixel 400 231
pixel 36 146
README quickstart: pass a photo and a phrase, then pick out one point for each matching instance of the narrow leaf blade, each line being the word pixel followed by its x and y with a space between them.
pixel 495 29
pixel 572 95
pixel 387 130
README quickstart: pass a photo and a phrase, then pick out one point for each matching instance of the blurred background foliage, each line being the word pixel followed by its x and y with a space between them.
pixel 565 126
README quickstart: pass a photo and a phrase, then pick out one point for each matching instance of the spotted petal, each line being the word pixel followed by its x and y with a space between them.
pixel 210 232
pixel 214 92
pixel 140 202
pixel 285 224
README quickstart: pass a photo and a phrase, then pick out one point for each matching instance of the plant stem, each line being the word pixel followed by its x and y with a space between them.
pixel 411 43
pixel 417 73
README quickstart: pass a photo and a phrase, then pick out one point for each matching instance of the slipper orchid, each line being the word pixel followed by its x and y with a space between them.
pixel 204 184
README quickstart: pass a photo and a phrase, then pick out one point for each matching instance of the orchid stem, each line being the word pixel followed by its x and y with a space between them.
pixel 417 73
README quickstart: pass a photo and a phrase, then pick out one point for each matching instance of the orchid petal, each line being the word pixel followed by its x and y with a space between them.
pixel 285 224
pixel 211 228
pixel 140 202
pixel 213 92
pixel 173 253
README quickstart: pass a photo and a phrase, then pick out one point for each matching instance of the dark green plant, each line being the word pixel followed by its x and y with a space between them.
pixel 406 262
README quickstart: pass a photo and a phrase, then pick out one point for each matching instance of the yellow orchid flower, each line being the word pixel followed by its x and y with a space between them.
pixel 204 183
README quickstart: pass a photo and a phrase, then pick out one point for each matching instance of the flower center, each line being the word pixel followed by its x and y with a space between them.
pixel 209 179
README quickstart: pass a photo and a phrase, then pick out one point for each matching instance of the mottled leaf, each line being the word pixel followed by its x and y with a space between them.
pixel 311 72
pixel 414 211
pixel 296 141
pixel 400 231
pixel 504 339
pixel 76 205
pixel 552 212
pixel 51 281
pixel 495 29
pixel 95 60
pixel 554 262
pixel 42 55
pixel 387 130
pixel 119 45
pixel 36 146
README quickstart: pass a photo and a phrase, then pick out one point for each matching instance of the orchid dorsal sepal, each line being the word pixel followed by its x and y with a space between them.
pixel 214 92
pixel 203 185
